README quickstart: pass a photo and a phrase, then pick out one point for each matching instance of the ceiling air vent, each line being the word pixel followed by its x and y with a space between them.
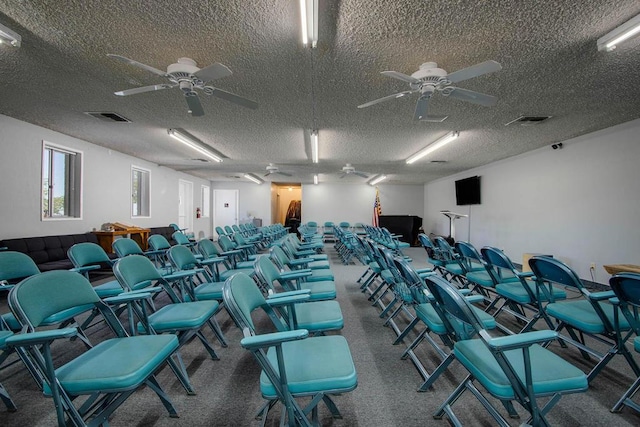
pixel 438 161
pixel 108 116
pixel 528 120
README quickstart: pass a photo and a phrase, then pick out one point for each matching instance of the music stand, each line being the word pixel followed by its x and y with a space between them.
pixel 452 217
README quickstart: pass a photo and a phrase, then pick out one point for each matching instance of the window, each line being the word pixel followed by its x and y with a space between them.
pixel 206 199
pixel 140 192
pixel 61 182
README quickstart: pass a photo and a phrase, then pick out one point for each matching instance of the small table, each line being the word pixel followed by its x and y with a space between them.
pixel 622 268
pixel 106 238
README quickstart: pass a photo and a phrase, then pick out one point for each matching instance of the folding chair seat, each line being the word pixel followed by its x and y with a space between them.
pixel 200 285
pixel 107 373
pixel 268 273
pixel 510 368
pixel 592 315
pixel 294 365
pixel 184 319
pixel 626 287
pixel 521 294
pixel 283 261
pixel 87 257
pixel 311 313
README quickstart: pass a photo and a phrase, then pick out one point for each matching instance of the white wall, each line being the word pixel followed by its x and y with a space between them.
pixel 106 186
pixel 579 203
pixel 354 202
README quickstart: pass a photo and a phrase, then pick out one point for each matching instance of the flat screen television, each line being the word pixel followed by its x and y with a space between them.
pixel 468 191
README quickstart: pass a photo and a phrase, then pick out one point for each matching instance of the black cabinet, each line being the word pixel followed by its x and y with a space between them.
pixel 407 226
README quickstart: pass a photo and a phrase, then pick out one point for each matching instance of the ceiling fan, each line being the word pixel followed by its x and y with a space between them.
pixel 271 169
pixel 429 79
pixel 348 170
pixel 186 75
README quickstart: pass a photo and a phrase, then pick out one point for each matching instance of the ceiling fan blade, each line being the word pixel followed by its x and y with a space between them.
pixel 474 71
pixel 471 96
pixel 361 174
pixel 400 76
pixel 267 174
pixel 284 173
pixel 138 64
pixel 143 89
pixel 342 175
pixel 231 97
pixel 386 98
pixel 421 107
pixel 193 101
pixel 212 72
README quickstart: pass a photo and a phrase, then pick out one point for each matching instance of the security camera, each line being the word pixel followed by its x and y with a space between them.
pixel 557 146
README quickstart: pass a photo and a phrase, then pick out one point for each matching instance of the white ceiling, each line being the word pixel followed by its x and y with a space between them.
pixel 547 50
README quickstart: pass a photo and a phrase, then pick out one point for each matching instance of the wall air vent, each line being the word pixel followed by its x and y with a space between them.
pixel 528 120
pixel 108 116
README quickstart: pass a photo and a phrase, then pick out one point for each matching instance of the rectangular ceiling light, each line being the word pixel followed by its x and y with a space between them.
pixel 309 18
pixel 433 147
pixel 616 36
pixel 253 178
pixel 315 179
pixel 193 144
pixel 9 37
pixel 314 146
pixel 378 180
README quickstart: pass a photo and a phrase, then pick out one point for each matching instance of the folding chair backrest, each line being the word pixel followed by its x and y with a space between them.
pixel 176 227
pixel 208 249
pixel 158 242
pixel 61 289
pixel 87 253
pixel 279 257
pixel 228 229
pixel 124 247
pixel 135 271
pixel 226 244
pixel 503 268
pixel 182 257
pixel 470 254
pixel 553 270
pixel 266 271
pixel 445 248
pixel 626 286
pixel 241 297
pixel 16 265
pixel 181 238
pixel 220 231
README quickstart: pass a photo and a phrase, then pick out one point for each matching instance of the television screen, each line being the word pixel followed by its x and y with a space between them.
pixel 468 191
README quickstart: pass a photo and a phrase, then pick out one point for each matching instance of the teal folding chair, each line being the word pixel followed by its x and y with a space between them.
pixel 124 247
pixel 5 352
pixel 108 373
pixel 186 320
pixel 87 257
pixel 591 315
pixel 626 287
pixel 284 261
pixel 522 296
pixel 514 368
pixel 294 365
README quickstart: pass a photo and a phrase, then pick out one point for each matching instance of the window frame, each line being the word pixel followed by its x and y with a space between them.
pixel 147 192
pixel 74 182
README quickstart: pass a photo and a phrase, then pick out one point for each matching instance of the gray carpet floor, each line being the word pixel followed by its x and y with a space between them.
pixel 228 394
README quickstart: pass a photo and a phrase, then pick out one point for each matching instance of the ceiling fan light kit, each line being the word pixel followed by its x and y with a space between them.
pixel 430 79
pixel 629 29
pixel 193 144
pixel 441 142
pixel 10 37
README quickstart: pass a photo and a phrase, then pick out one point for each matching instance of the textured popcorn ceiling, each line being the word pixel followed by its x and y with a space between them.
pixel 547 50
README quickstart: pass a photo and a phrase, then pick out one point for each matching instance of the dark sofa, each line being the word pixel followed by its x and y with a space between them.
pixel 48 252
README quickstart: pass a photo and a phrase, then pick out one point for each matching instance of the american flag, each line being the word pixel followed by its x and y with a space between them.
pixel 377 209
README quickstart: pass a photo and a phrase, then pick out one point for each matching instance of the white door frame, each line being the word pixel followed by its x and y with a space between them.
pixel 185 207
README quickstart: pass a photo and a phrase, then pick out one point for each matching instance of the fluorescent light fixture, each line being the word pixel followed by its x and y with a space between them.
pixel 433 147
pixel 253 178
pixel 194 144
pixel 378 179
pixel 314 146
pixel 309 18
pixel 315 179
pixel 9 37
pixel 616 36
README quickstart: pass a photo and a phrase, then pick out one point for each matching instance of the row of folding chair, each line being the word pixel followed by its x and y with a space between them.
pixel 539 298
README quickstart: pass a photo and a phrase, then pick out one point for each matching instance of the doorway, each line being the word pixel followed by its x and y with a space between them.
pixel 185 205
pixel 225 207
pixel 287 206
